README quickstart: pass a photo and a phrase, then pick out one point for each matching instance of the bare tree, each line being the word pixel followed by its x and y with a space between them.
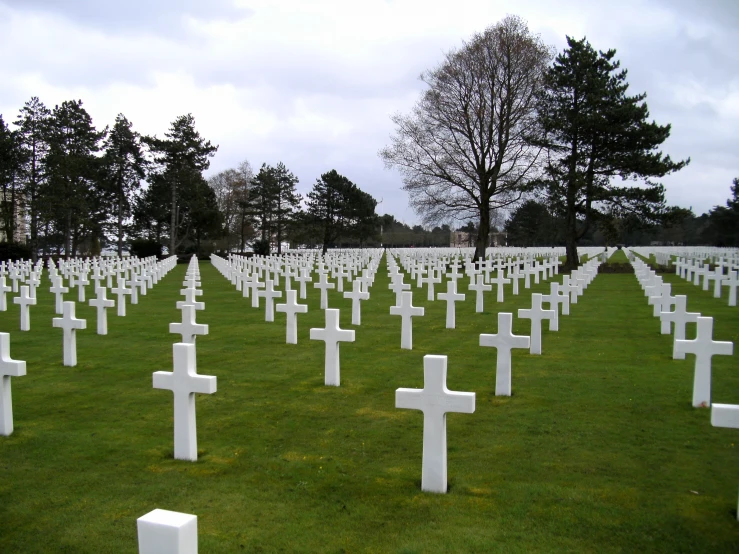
pixel 231 188
pixel 462 151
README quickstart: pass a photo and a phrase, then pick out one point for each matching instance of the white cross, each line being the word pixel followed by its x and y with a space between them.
pixel 435 400
pixel 324 285
pixel 3 289
pixel 662 300
pixel 514 276
pixel 554 298
pixel 479 287
pixel 732 282
pixel 536 313
pixel 69 323
pixel 134 290
pixel 679 317
pixel 8 368
pixel 500 280
pixel 189 300
pixel 270 294
pixel 430 279
pixel 397 286
pixel 184 382
pixel 121 291
pixel 704 347
pixel 357 296
pixel 451 296
pixel 291 309
pixel 406 311
pixel 188 328
pixel 725 415
pixel 255 285
pixel 25 300
pixel 59 291
pixel 303 279
pixel 332 335
pixel 504 341
pixel 102 303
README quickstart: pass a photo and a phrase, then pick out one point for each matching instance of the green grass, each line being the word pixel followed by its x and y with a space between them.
pixel 598 449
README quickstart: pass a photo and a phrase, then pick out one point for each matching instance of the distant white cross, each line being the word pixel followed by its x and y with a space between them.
pixel 500 280
pixel 4 289
pixel 121 291
pixel 452 297
pixel 59 291
pixel 332 335
pixel 291 309
pixel 536 313
pixel 323 284
pixel 25 300
pixel 69 323
pixel 190 294
pixel 102 304
pixel 184 382
pixel 435 400
pixel 406 311
pixel 504 341
pixel 8 368
pixel 188 328
pixel 357 295
pixel 269 293
pixel 479 287
pixel 704 348
pixel 680 317
pixel 732 282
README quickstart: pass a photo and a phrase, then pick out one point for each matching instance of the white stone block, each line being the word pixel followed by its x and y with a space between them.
pixel 166 532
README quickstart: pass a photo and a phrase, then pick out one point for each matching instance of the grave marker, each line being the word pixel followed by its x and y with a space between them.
pixel 8 368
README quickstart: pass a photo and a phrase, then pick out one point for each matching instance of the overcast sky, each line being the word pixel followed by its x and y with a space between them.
pixel 313 83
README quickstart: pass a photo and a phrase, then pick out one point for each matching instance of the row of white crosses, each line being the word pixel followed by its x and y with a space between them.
pixel 184 380
pixel 703 346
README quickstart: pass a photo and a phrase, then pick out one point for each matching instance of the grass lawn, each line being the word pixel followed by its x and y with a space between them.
pixel 598 449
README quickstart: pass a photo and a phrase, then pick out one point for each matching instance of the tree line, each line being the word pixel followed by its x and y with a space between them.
pixel 503 120
pixel 69 188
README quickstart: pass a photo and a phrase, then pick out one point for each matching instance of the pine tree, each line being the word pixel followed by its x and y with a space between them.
pixel 593 131
pixel 124 167
pixel 180 161
pixel 33 133
pixel 11 162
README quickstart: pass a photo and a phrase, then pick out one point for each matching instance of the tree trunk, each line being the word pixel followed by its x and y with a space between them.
pixel 173 220
pixel 483 232
pixel 572 260
pixel 68 235
pixel 120 227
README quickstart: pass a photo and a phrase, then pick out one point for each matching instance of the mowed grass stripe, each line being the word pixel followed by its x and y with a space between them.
pixel 598 449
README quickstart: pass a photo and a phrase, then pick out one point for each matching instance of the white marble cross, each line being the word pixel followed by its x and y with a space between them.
pixel 704 347
pixel 291 309
pixel 184 382
pixel 397 286
pixel 479 287
pixel 121 291
pixel 500 280
pixel 554 298
pixel 452 297
pixel 435 400
pixel 357 296
pixel 3 289
pixel 406 311
pixel 269 293
pixel 536 313
pixel 504 341
pixel 102 304
pixel 69 323
pixel 25 300
pixel 58 289
pixel 732 281
pixel 725 415
pixel 8 368
pixel 332 335
pixel 190 294
pixel 323 284
pixel 188 328
pixel 680 317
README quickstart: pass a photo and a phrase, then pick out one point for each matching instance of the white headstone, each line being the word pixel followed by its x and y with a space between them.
pixel 357 295
pixel 165 532
pixel 406 311
pixel 452 297
pixel 704 347
pixel 291 309
pixel 536 313
pixel 435 400
pixel 69 323
pixel 188 328
pixel 25 300
pixel 8 368
pixel 504 341
pixel 102 304
pixel 184 382
pixel 332 335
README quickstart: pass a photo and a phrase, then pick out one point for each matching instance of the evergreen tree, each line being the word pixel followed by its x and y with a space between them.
pixel 286 201
pixel 593 131
pixel 180 161
pixel 73 197
pixel 338 207
pixel 11 201
pixel 33 133
pixel 123 169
